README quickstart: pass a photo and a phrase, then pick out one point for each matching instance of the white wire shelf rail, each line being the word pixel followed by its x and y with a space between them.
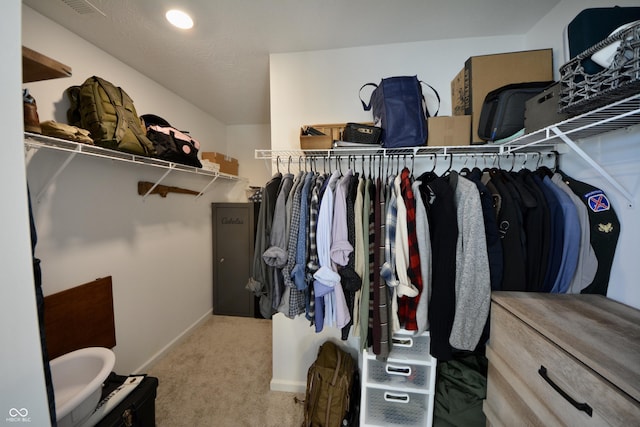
pixel 617 115
pixel 37 141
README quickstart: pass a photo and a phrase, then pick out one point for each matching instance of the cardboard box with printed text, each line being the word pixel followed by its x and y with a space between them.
pixel 482 74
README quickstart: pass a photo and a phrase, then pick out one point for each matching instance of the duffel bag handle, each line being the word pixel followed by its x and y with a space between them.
pixel 425 102
pixel 366 106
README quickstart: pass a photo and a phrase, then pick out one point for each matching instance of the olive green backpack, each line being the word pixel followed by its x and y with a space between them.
pixel 330 388
pixel 108 113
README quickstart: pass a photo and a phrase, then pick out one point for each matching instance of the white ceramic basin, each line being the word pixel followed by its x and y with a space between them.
pixel 77 383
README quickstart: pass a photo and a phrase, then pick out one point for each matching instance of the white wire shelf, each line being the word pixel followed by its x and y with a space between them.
pixel 37 141
pixel 617 115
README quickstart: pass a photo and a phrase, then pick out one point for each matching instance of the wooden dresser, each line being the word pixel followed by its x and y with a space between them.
pixel 559 360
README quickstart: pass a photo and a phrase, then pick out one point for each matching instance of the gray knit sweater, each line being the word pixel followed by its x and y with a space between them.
pixel 473 287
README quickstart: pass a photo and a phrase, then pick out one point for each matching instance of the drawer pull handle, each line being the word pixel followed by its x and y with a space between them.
pixel 402 342
pixel 579 406
pixel 396 397
pixel 398 370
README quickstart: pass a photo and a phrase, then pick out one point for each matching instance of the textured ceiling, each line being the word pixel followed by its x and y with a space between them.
pixel 222 64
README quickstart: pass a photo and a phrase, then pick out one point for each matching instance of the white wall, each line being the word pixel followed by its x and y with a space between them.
pixel 91 222
pixel 22 384
pixel 322 87
pixel 243 140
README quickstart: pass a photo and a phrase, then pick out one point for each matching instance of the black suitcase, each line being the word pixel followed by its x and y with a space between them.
pixel 502 113
pixel 138 409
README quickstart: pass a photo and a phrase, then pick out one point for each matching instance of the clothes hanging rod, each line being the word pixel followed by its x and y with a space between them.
pixel 470 150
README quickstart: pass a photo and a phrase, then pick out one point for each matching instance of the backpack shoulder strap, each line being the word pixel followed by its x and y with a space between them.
pixel 115 98
pixel 334 379
pixel 73 113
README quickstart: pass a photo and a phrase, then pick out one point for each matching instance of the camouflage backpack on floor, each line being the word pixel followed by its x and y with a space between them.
pixel 108 113
pixel 330 390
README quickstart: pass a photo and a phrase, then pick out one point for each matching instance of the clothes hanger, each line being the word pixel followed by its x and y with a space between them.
pixel 524 163
pixel 413 158
pixel 450 164
pixel 390 160
pixel 465 170
pixel 486 167
pixel 556 161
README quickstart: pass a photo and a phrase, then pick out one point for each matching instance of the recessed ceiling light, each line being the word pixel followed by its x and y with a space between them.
pixel 179 19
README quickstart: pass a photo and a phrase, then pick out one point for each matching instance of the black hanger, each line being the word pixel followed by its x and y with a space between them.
pixel 435 158
pixel 450 164
pixel 413 158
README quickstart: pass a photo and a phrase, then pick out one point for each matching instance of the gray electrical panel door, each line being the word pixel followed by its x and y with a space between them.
pixel 233 238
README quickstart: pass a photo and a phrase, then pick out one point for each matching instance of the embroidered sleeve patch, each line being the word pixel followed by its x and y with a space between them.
pixel 598 202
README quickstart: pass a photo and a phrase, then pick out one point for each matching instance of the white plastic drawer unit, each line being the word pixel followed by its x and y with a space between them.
pixel 410 347
pixel 396 374
pixel 396 408
pixel 399 390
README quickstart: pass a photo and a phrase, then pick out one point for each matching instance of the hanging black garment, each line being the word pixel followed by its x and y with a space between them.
pixel 438 198
pixel 604 231
pixel 537 229
pixel 531 219
pixel 512 236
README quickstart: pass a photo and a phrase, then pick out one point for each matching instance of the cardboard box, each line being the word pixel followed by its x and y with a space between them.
pixel 332 132
pixel 482 74
pixel 228 165
pixel 449 130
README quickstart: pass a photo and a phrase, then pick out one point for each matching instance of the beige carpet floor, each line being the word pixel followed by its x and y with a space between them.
pixel 219 376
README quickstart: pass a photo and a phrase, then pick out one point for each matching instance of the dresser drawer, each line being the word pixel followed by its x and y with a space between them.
pixel 384 407
pixel 399 374
pixel 527 352
pixel 510 402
